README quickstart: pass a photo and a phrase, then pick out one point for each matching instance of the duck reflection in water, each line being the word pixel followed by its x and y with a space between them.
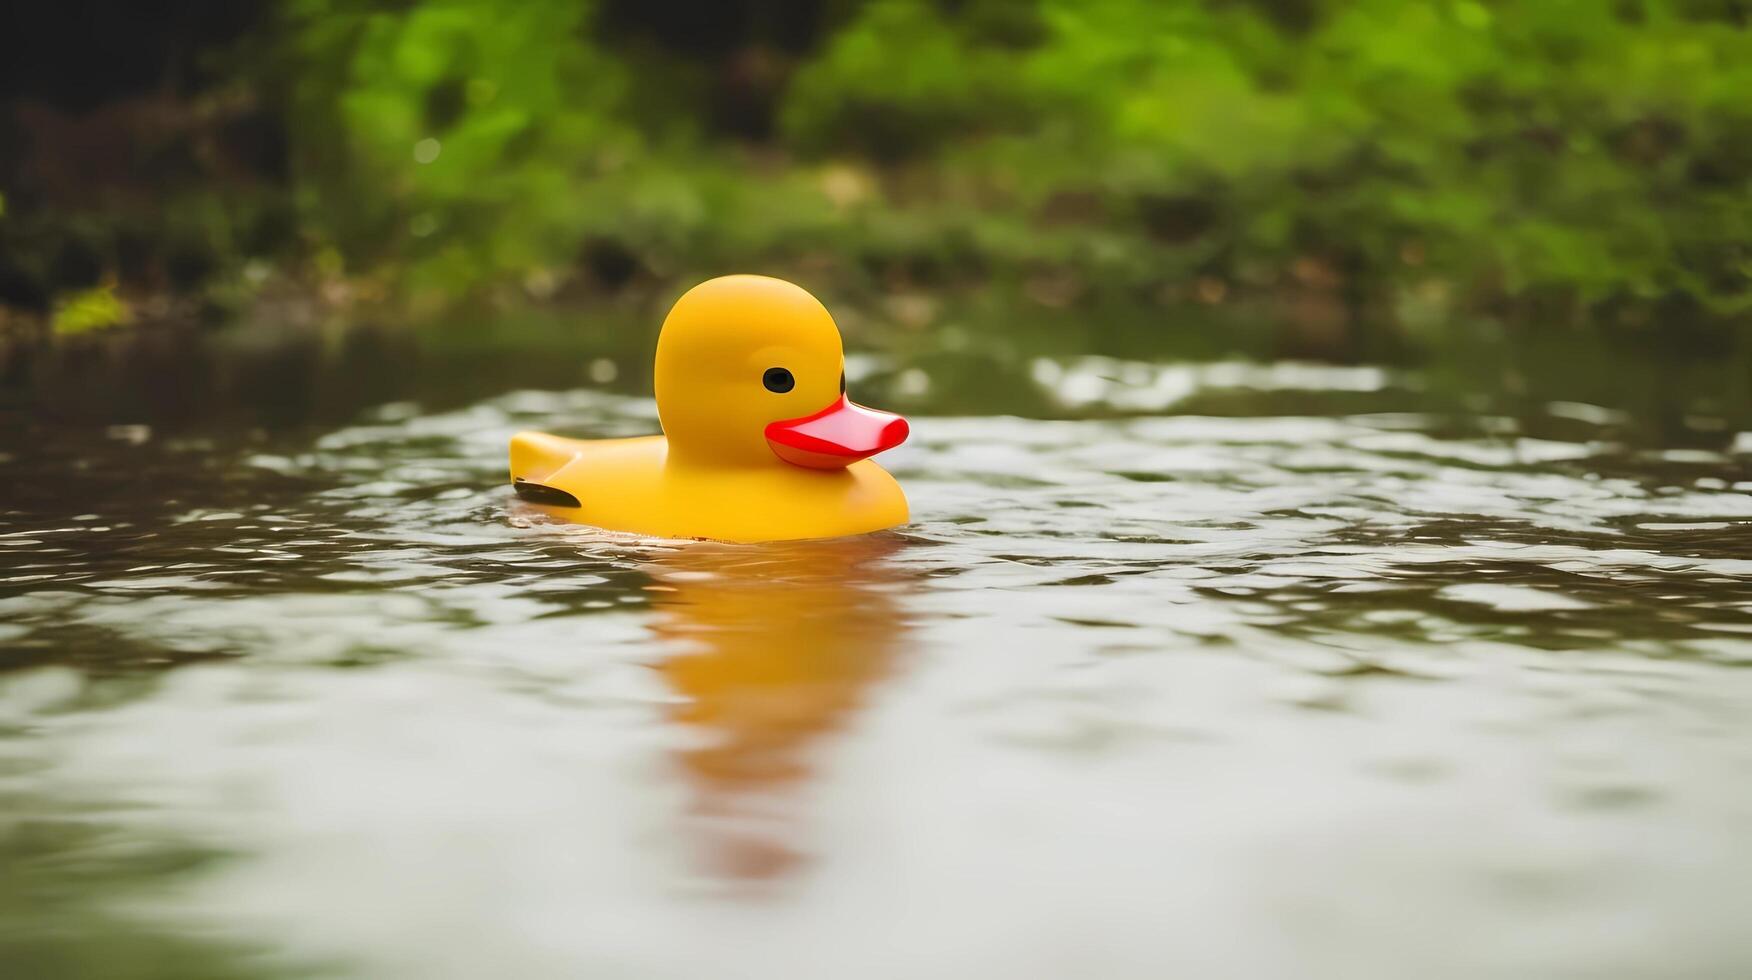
pixel 771 648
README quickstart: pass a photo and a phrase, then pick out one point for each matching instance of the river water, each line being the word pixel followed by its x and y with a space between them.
pixel 1211 669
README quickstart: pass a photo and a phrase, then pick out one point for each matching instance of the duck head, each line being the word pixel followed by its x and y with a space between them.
pixel 751 370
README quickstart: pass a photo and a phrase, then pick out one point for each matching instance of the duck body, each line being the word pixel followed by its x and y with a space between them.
pixel 632 485
pixel 760 441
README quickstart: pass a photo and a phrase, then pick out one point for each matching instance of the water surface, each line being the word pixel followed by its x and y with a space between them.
pixel 1234 669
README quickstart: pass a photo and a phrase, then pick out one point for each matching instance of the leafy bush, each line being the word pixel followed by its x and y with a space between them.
pixel 1403 162
pixel 1572 150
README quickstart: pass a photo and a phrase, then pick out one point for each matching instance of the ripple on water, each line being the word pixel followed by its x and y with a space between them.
pixel 1252 696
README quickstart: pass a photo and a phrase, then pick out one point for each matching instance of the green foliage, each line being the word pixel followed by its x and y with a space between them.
pixel 97 308
pixel 1572 151
pixel 1564 159
pixel 453 135
pixel 1595 150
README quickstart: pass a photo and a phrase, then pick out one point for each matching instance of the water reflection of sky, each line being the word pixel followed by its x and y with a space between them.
pixel 1359 694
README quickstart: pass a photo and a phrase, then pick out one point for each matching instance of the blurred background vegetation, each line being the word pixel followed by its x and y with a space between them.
pixel 1366 174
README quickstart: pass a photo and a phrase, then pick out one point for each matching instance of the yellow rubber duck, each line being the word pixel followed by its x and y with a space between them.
pixel 759 444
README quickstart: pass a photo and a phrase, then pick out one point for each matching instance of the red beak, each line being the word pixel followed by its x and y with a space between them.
pixel 838 435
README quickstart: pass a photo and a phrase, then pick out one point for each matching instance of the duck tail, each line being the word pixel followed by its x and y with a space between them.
pixel 535 456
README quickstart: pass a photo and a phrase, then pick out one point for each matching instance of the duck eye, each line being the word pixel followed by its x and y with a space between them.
pixel 778 380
